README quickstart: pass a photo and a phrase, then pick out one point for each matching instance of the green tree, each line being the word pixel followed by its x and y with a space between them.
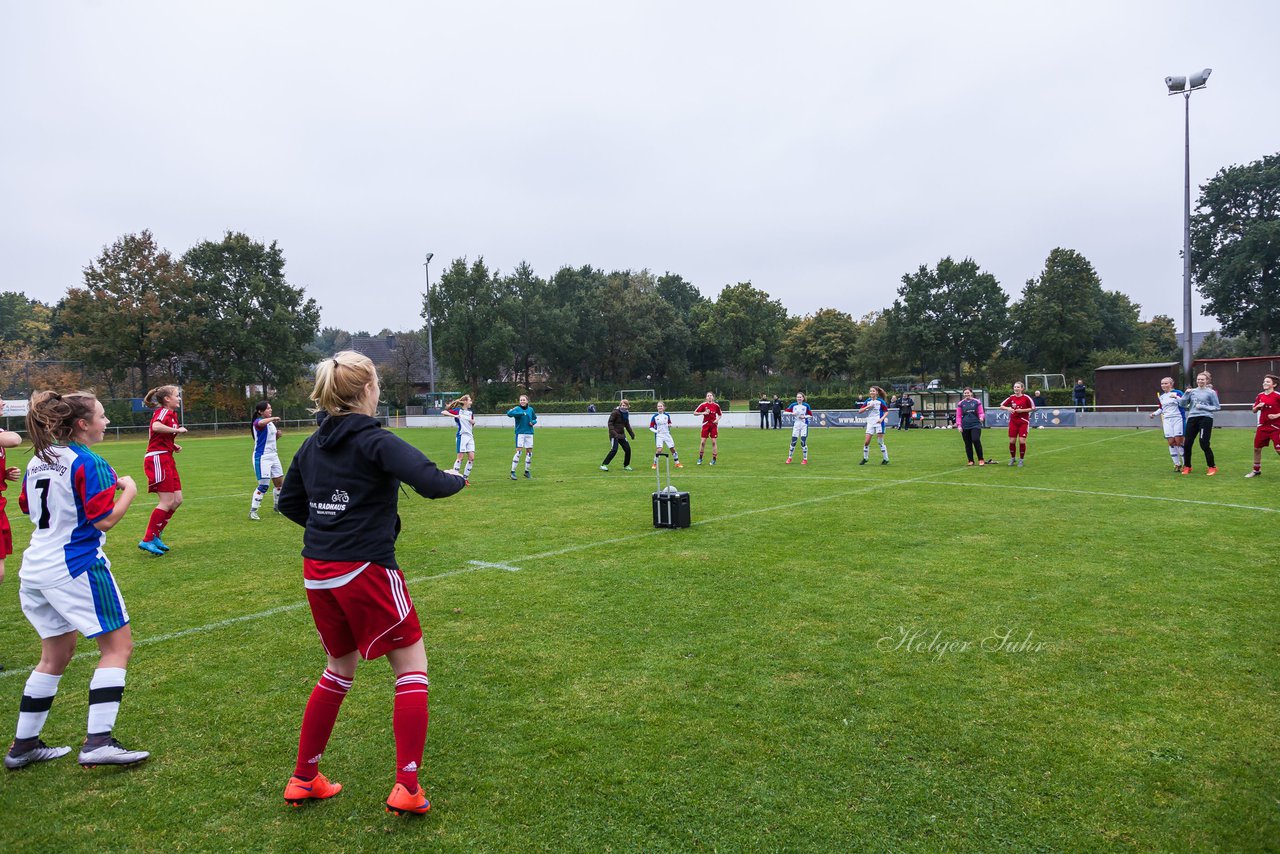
pixel 1158 340
pixel 1235 248
pixel 952 314
pixel 1119 316
pixel 821 346
pixel 138 309
pixel 1057 322
pixel 328 341
pixel 257 326
pixel 748 327
pixel 525 301
pixel 471 335
pixel 873 356
pixel 576 298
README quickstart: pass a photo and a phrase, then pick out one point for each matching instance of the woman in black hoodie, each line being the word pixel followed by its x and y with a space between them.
pixel 343 488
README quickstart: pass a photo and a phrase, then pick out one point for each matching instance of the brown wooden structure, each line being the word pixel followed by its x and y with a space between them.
pixel 1133 385
pixel 1237 380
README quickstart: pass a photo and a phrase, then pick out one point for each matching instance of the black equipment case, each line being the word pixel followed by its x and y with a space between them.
pixel 670 509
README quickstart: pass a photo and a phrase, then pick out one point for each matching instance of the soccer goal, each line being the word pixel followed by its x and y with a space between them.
pixel 637 393
pixel 1044 381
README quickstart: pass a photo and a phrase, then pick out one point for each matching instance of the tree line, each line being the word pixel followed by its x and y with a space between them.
pixel 224 313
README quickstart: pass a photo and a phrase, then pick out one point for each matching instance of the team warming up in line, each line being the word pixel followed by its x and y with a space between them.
pixel 343 488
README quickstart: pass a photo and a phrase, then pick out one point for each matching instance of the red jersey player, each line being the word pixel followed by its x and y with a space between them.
pixel 8 439
pixel 1019 406
pixel 710 412
pixel 1267 405
pixel 162 473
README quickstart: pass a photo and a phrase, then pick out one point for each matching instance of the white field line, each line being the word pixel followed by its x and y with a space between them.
pixel 510 566
pixel 1059 491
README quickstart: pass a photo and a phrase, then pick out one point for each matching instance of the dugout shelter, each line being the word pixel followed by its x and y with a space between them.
pixel 1133 385
pixel 1237 380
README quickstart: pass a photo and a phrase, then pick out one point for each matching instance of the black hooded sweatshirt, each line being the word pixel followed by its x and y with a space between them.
pixel 342 487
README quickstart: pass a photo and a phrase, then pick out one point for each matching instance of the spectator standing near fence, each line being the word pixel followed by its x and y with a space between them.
pixel 905 406
pixel 1201 402
pixel 777 412
pixel 1080 394
pixel 766 407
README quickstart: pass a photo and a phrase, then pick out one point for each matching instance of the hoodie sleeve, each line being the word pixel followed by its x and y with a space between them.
pixel 412 468
pixel 294 503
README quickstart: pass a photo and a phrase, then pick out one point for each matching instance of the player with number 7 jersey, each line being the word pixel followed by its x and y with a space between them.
pixel 64 497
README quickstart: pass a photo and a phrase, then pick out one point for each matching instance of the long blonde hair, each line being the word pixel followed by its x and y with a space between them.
pixel 341 381
pixel 158 395
pixel 51 418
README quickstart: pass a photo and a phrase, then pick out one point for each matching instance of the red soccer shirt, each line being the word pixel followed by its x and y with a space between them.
pixel 710 412
pixel 1270 406
pixel 1019 401
pixel 162 441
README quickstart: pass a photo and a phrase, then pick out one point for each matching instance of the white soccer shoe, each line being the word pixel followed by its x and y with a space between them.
pixel 41 752
pixel 111 753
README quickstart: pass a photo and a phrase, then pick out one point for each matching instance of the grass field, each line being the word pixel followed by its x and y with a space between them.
pixel 1080 655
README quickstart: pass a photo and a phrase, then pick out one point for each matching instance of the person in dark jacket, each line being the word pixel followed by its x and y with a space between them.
pixel 766 407
pixel 619 427
pixel 777 412
pixel 971 418
pixel 1080 394
pixel 343 488
pixel 905 405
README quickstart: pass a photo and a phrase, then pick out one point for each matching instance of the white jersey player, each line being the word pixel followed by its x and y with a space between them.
pixel 660 425
pixel 267 469
pixel 465 440
pixel 1173 417
pixel 803 413
pixel 67 588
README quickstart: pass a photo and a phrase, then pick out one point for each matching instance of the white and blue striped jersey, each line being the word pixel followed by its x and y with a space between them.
pixel 64 499
pixel 1171 411
pixel 803 412
pixel 465 419
pixel 264 439
pixel 660 423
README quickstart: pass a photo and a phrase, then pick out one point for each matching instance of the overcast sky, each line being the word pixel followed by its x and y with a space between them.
pixel 819 150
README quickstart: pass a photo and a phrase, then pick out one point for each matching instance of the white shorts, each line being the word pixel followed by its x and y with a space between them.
pixel 798 432
pixel 524 440
pixel 267 467
pixel 661 442
pixel 466 444
pixel 90 604
pixel 1172 427
pixel 875 428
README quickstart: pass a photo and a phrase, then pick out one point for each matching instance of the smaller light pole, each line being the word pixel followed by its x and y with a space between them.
pixel 431 353
pixel 1185 86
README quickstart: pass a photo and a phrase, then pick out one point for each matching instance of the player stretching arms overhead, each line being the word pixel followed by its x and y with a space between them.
pixel 162 473
pixel 1019 406
pixel 66 582
pixel 465 418
pixel 1267 405
pixel 877 412
pixel 525 419
pixel 343 488
pixel 266 459
pixel 710 412
pixel 1174 419
pixel 800 429
pixel 660 424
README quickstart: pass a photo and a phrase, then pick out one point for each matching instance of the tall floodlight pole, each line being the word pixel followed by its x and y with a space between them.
pixel 431 352
pixel 1184 86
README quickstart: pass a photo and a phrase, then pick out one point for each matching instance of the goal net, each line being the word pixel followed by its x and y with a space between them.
pixel 637 393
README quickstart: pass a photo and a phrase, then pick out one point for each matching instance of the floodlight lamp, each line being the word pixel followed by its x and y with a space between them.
pixel 1176 85
pixel 1199 80
pixel 430 255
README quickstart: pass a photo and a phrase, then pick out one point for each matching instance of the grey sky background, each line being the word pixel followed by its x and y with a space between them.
pixel 819 150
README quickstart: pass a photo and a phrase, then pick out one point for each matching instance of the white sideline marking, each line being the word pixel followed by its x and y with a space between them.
pixel 503 566
pixel 476 565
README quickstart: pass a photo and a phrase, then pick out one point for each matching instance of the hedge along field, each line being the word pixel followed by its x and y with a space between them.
pixel 1078 655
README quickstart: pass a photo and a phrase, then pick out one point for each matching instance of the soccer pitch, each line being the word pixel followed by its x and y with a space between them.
pixel 1080 655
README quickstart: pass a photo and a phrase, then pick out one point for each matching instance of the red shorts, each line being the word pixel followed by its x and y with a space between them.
pixel 709 430
pixel 1266 436
pixel 162 473
pixel 371 613
pixel 1018 429
pixel 6 534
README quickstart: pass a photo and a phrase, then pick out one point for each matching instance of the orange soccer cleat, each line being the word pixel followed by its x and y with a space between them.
pixel 400 802
pixel 317 788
